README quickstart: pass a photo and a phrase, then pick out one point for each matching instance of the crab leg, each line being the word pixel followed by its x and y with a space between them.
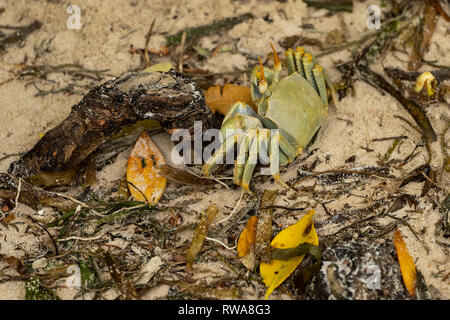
pixel 252 159
pixel 242 157
pixel 308 64
pixel 275 154
pixel 217 158
pixel 321 86
pixel 290 62
pixel 288 148
pixel 298 55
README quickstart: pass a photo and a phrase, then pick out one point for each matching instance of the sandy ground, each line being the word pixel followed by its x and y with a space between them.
pixel 104 42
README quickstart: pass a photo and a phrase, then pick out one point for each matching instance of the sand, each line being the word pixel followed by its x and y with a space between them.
pixel 104 42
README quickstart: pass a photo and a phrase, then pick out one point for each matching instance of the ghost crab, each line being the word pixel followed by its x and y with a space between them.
pixel 290 112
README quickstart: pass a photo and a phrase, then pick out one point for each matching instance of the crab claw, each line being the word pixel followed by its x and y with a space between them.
pixel 262 82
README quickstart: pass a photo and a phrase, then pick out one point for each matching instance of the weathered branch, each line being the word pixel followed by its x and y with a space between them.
pixel 171 98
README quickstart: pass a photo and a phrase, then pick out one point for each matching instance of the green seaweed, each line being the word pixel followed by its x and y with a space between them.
pixel 332 5
pixel 35 291
pixel 198 32
pixel 88 275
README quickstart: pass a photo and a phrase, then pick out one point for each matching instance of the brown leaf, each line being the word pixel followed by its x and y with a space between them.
pixel 124 284
pixel 247 237
pixel 200 234
pixel 182 176
pixel 8 219
pixel 232 93
pixel 16 264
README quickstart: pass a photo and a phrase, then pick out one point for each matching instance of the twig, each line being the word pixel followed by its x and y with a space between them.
pixel 19 35
pixel 221 243
pixel 350 172
pixel 101 234
pixel 413 108
pixel 147 40
pixel 404 222
pixel 232 212
pixel 71 198
pixel 282 207
pixel 18 192
pixel 183 41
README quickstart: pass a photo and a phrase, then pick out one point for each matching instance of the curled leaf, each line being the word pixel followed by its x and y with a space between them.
pixel 200 234
pixel 182 176
pixel 159 67
pixel 427 80
pixel 145 182
pixel 53 179
pixel 407 265
pixel 246 244
pixel 275 272
pixel 247 237
pixel 232 93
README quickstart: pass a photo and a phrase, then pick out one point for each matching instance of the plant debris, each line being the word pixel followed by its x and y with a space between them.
pixel 145 182
pixel 200 234
pixel 406 262
pixel 198 32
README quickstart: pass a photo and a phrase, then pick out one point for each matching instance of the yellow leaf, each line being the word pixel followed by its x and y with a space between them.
pixel 275 272
pixel 407 265
pixel 247 237
pixel 232 93
pixel 161 67
pixel 146 184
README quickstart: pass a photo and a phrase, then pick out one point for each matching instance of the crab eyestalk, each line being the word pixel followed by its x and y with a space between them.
pixel 276 66
pixel 262 82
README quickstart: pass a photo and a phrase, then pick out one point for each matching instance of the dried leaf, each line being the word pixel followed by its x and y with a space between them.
pixel 124 284
pixel 275 272
pixel 232 93
pixel 159 67
pixel 16 264
pixel 246 244
pixel 264 226
pixel 145 182
pixel 247 237
pixel 423 38
pixel 200 234
pixel 182 176
pixel 54 179
pixel 10 217
pixel 407 266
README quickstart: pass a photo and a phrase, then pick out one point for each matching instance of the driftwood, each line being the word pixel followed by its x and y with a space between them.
pixel 169 97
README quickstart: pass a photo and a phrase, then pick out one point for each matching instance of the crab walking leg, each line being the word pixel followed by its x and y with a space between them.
pixel 308 64
pixel 321 86
pixel 288 148
pixel 277 157
pixel 263 146
pixel 242 157
pixel 217 158
pixel 290 61
pixel 274 151
pixel 298 55
pixel 252 159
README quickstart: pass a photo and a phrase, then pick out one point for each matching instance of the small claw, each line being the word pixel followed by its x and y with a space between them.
pixel 262 82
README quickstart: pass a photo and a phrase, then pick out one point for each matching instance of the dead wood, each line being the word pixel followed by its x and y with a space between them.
pixel 171 98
